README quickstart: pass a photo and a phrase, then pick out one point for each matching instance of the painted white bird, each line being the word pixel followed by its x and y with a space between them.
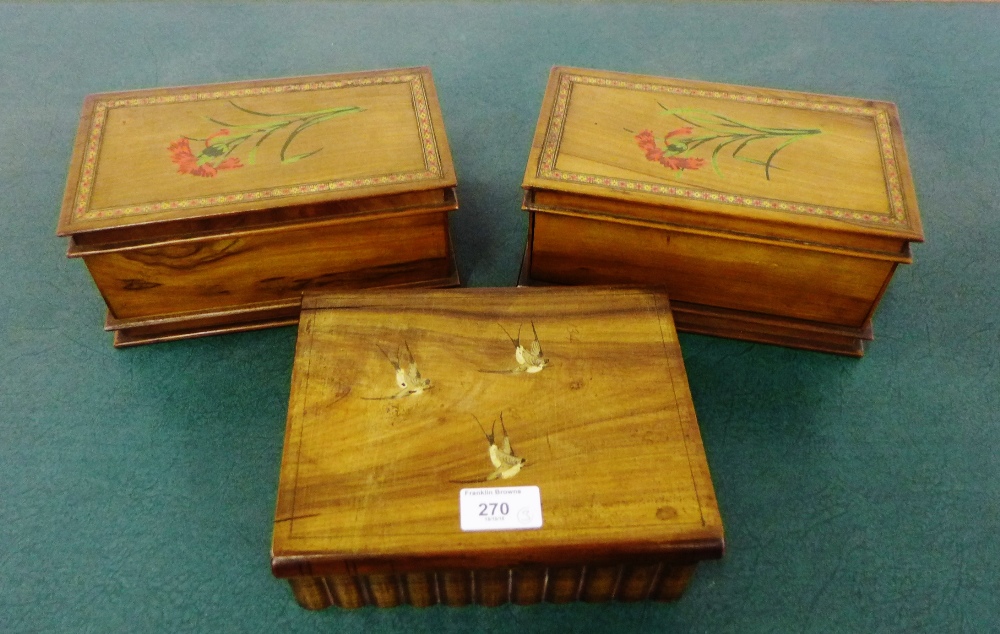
pixel 501 455
pixel 408 377
pixel 505 464
pixel 530 360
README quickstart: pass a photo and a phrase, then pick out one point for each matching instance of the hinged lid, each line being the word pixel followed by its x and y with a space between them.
pixel 595 402
pixel 168 162
pixel 766 162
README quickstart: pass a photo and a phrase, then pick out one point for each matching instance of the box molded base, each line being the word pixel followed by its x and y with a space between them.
pixel 491 588
pixel 792 333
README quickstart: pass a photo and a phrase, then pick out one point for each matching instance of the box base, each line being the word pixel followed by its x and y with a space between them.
pixel 735 324
pixel 791 333
pixel 134 332
pixel 491 588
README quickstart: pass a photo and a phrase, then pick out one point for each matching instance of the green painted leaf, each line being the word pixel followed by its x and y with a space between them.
pixel 299 157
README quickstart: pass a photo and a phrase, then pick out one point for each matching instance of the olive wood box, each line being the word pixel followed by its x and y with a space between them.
pixel 768 215
pixel 401 400
pixel 208 209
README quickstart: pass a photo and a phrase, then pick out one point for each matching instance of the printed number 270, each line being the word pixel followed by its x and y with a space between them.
pixel 491 508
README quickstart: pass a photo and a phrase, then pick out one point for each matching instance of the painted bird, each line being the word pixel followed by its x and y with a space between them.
pixel 407 375
pixel 506 464
pixel 501 455
pixel 530 360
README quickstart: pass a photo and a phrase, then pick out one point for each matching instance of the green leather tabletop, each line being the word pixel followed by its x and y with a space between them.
pixel 138 485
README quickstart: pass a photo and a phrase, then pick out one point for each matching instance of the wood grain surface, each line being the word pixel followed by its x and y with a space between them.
pixel 278 263
pixel 839 289
pixel 370 478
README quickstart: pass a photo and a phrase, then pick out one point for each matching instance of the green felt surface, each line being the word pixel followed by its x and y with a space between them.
pixel 137 486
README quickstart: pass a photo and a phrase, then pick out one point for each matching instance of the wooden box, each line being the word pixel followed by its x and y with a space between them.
pixel 212 208
pixel 768 215
pixel 403 401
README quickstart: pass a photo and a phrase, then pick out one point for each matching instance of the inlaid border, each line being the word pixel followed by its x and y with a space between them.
pixel 897 216
pixel 88 171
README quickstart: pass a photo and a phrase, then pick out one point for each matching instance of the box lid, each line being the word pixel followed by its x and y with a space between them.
pixel 599 411
pixel 770 162
pixel 157 162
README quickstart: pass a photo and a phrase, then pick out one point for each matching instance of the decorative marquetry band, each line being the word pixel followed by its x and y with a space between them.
pixel 432 160
pixel 557 121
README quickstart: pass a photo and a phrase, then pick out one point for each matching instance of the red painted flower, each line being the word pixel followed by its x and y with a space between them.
pixel 647 142
pixel 676 132
pixel 206 162
pixel 180 151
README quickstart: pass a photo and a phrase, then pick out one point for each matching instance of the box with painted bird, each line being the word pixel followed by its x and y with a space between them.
pixel 485 446
pixel 768 215
pixel 211 208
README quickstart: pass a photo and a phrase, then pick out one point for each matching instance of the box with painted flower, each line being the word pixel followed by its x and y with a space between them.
pixel 768 215
pixel 212 208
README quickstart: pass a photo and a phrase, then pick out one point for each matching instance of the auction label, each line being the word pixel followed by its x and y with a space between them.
pixel 500 508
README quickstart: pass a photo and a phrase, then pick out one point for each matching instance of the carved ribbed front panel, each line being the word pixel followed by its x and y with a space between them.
pixel 657 582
